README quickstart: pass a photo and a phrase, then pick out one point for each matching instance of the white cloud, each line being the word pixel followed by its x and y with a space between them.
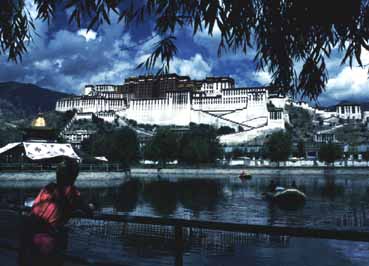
pixel 346 82
pixel 66 60
pixel 195 67
pixel 349 82
pixel 114 75
pixel 43 64
pixel 87 34
pixel 204 34
pixel 262 77
pixel 148 45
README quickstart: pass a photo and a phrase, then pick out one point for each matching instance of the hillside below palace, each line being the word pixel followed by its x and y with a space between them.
pixel 179 100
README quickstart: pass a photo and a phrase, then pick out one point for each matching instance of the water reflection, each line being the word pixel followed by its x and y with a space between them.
pixel 197 195
pixel 127 195
pixel 331 190
pixel 333 201
pixel 162 196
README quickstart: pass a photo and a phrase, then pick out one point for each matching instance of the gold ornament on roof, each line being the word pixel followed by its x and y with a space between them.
pixel 39 121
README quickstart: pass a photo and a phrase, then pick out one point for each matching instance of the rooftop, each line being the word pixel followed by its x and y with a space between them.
pixel 39 122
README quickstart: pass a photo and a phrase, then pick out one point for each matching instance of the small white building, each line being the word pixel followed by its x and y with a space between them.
pixel 212 86
pixel 75 137
pixel 328 137
pixel 365 117
pixel 349 111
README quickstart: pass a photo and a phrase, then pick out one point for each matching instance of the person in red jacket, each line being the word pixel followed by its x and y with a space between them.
pixel 44 237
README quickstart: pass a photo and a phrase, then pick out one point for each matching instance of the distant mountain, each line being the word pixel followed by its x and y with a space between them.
pixel 19 100
pixel 364 106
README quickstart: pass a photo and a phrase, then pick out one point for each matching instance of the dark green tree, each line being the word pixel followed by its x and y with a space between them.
pixel 329 153
pixel 163 147
pixel 123 145
pixel 366 156
pixel 196 151
pixel 119 145
pixel 199 145
pixel 278 147
pixel 96 145
pixel 225 130
pixel 282 32
pixel 9 134
pixel 301 149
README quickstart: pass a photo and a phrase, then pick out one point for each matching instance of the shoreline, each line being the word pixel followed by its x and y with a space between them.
pixel 114 179
pixel 255 166
pixel 210 171
pixel 226 172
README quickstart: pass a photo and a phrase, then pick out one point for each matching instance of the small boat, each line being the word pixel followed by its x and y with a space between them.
pixel 245 175
pixel 290 198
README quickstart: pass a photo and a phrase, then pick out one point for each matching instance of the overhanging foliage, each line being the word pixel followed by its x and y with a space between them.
pixel 283 32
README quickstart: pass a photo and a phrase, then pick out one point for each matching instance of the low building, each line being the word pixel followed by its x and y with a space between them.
pixel 311 150
pixel 365 118
pixel 76 137
pixel 325 137
pixel 39 146
pixel 39 131
pixel 349 111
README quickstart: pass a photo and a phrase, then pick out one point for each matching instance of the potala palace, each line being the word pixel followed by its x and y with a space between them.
pixel 178 100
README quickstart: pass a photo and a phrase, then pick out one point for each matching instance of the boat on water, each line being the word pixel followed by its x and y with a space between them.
pixel 290 198
pixel 245 175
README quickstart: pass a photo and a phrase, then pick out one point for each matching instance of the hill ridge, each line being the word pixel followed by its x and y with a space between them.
pixel 21 100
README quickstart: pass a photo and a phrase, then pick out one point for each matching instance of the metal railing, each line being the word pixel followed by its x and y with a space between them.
pixel 91 236
pixel 294 231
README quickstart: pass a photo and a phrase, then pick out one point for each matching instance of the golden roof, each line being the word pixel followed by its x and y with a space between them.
pixel 39 121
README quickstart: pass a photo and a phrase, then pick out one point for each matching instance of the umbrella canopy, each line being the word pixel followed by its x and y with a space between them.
pixel 40 151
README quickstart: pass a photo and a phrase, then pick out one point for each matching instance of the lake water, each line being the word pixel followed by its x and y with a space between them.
pixel 334 201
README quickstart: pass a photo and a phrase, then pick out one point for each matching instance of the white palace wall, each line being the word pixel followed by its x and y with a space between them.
pixel 178 109
pixel 235 107
pixel 175 109
pixel 89 104
pixel 241 107
pixel 278 102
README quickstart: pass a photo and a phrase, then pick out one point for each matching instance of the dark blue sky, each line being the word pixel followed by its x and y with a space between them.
pixel 65 58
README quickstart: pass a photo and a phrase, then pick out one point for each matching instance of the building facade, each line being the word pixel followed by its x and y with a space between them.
pixel 76 137
pixel 178 100
pixel 349 111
